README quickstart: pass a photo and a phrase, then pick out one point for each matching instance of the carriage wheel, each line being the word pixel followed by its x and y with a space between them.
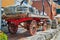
pixel 33 27
pixel 12 28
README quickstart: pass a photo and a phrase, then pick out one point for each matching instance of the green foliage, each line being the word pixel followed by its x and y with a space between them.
pixel 3 36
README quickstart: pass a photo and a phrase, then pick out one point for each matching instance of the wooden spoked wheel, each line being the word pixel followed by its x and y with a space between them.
pixel 12 28
pixel 33 27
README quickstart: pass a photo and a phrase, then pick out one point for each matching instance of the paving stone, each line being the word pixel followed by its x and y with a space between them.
pixel 37 37
pixel 4 29
pixel 40 35
pixel 21 30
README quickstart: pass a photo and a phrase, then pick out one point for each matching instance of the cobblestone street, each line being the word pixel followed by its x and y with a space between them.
pixel 22 34
pixel 58 36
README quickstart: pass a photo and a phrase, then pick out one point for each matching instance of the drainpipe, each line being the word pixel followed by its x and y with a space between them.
pixel 0 14
pixel 43 6
pixel 50 5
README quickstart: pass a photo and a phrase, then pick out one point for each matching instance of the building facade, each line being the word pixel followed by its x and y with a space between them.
pixel 38 5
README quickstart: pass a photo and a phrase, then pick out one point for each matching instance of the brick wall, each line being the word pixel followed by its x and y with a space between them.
pixel 38 5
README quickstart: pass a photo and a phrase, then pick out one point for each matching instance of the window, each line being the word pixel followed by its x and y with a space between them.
pixel 55 0
pixel 58 11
